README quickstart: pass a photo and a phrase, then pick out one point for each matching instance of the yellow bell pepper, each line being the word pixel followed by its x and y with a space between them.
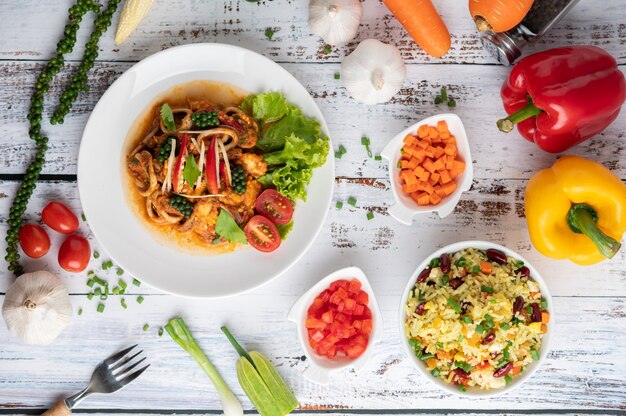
pixel 576 210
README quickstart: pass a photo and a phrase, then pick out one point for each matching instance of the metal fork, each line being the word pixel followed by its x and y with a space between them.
pixel 109 376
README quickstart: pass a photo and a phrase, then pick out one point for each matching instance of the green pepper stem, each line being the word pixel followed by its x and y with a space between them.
pixel 236 345
pixel 530 110
pixel 582 218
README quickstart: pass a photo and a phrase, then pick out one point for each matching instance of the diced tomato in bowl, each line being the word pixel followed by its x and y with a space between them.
pixel 340 321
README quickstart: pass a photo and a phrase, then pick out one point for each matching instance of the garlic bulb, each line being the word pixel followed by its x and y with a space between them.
pixel 374 72
pixel 37 307
pixel 336 21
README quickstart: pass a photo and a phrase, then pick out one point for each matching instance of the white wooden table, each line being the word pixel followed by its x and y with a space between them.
pixel 584 374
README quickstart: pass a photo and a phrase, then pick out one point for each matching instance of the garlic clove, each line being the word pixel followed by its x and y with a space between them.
pixel 37 307
pixel 336 21
pixel 374 72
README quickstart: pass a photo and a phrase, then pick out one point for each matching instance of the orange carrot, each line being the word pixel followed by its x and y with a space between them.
pixel 498 15
pixel 485 267
pixel 421 20
pixel 545 317
pixel 516 370
pixel 422 131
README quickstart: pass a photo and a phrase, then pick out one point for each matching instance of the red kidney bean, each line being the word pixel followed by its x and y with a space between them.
pixel 420 308
pixel 455 283
pixel 503 371
pixel 497 256
pixel 536 315
pixel 518 304
pixel 423 275
pixel 461 374
pixel 488 339
pixel 523 271
pixel 444 263
pixel 431 283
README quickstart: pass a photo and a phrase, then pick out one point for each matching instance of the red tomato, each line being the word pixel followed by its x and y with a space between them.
pixel 74 253
pixel 33 240
pixel 59 217
pixel 262 234
pixel 274 206
pixel 339 322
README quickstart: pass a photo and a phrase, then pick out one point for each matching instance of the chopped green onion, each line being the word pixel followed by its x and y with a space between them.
pixel 476 269
pixel 434 262
pixel 82 216
pixel 505 325
pixel 378 157
pixel 136 282
pixel 529 309
pixel 97 291
pixel 421 296
pixel 342 149
pixel 140 299
pixel 121 291
pixel 338 155
pixel 116 290
pixel 99 281
pixel 463 366
pixel 106 265
pixel 460 339
pixel 90 295
pixel 123 303
pixel 487 289
pixel 339 205
pixel 337 75
pixel 365 141
pixel 122 284
pixel 90 282
pixel 519 264
pixel 269 33
pixel 444 280
pixel 508 379
pixel 352 201
pixel 462 387
pixel 439 346
pixel 370 215
pixel 534 354
pixel 505 353
pixel 444 94
pixel 435 372
pixel 461 262
pixel 451 103
pixel 455 305
pixel 544 304
pixel 160 331
pixel 80 311
pixel 425 357
pixel 104 297
pixel 145 327
pixel 399 165
pixel 327 50
pixel 119 271
pixel 438 99
pixel 480 329
pixel 96 254
pixel 467 319
pixel 100 307
pixel 91 273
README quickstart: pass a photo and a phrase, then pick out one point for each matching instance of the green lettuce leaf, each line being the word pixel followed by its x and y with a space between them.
pixel 267 107
pixel 168 117
pixel 294 123
pixel 191 171
pixel 303 152
pixel 284 229
pixel 227 228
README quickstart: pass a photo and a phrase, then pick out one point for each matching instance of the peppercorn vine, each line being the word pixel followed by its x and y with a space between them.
pixel 42 86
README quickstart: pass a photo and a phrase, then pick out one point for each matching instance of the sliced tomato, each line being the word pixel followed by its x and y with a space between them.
pixel 34 240
pixel 274 206
pixel 211 167
pixel 59 217
pixel 178 165
pixel 223 175
pixel 74 253
pixel 262 234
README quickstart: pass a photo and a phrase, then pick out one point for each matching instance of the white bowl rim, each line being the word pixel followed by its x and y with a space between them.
pixel 320 369
pixel 324 127
pixel 405 209
pixel 545 342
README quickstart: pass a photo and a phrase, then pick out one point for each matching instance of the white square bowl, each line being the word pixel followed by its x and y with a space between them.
pixel 405 208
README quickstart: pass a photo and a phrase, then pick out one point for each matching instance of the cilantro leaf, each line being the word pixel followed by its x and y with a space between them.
pixel 227 228
pixel 168 117
pixel 269 33
pixel 191 171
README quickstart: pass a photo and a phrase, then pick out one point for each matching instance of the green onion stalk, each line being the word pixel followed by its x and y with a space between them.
pixel 179 332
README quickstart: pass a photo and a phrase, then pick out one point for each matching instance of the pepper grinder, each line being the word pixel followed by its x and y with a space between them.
pixel 542 16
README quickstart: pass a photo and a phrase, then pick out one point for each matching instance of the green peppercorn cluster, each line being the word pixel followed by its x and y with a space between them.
pixel 239 179
pixel 42 86
pixel 204 119
pixel 182 205
pixel 165 150
pixel 79 78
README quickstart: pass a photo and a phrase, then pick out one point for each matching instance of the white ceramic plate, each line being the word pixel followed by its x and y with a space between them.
pixel 101 174
pixel 545 340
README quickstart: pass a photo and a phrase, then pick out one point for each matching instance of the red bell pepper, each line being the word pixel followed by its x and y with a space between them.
pixel 211 167
pixel 178 167
pixel 561 97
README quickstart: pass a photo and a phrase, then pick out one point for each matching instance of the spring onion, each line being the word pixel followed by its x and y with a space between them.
pixel 136 282
pixel 90 282
pixel 435 372
pixel 337 75
pixel 96 254
pixel 99 281
pixel 370 215
pixel 378 157
pixel 160 333
pixel 145 327
pixel 90 295
pixel 80 311
pixel 352 201
pixel 179 332
pixel 467 319
pixel 487 289
pixel 339 205
pixel 140 299
pixel 508 379
pixel 100 307
pixel 122 284
pixel 455 305
pixel 119 271
pixel 463 366
pixel 365 141
pixel 425 357
pixel 505 325
pixel 123 303
pixel 534 354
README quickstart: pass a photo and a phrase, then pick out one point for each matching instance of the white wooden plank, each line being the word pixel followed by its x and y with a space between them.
pixel 490 212
pixel 239 22
pixel 584 370
pixel 476 89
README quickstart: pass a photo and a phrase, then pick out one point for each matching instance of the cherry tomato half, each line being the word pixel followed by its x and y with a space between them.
pixel 33 240
pixel 74 253
pixel 262 234
pixel 59 217
pixel 274 206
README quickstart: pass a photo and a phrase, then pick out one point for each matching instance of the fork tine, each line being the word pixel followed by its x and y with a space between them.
pixel 133 376
pixel 124 361
pixel 124 371
pixel 115 357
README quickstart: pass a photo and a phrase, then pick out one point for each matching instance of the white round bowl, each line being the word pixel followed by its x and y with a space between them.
pixel 321 368
pixel 475 392
pixel 101 174
pixel 405 208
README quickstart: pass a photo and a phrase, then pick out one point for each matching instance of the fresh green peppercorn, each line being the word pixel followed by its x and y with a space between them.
pixel 182 205
pixel 239 179
pixel 165 150
pixel 204 119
